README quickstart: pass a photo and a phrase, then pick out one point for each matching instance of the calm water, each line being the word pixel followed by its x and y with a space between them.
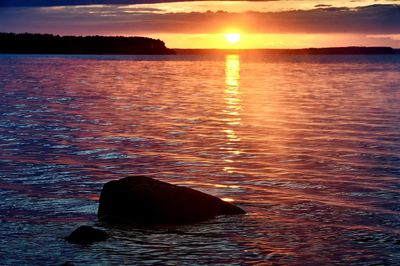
pixel 308 146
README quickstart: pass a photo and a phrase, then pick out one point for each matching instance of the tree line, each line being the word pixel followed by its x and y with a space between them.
pixel 54 44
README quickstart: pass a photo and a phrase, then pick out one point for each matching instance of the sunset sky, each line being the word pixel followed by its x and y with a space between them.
pixel 202 24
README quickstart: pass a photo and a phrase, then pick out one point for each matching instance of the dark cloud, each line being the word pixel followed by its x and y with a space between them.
pixel 375 19
pixel 43 3
pixel 322 5
pixel 48 3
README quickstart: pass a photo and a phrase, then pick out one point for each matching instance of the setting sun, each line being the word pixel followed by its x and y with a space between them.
pixel 232 38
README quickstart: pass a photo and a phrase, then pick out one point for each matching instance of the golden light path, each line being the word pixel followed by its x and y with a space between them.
pixel 232 109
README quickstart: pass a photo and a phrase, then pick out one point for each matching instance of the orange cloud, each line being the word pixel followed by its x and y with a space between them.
pixel 375 19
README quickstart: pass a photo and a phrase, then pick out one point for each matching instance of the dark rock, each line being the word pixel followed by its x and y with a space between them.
pixel 141 199
pixel 365 239
pixel 86 235
pixel 67 264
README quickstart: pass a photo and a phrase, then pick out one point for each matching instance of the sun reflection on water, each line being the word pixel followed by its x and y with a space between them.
pixel 232 97
pixel 232 93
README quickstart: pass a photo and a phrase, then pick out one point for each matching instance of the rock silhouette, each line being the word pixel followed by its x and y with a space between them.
pixel 144 200
pixel 86 235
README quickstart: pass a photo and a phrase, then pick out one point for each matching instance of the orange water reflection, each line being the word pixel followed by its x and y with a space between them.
pixel 232 93
pixel 232 110
pixel 309 150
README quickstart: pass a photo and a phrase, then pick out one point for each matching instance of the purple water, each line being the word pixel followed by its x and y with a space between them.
pixel 309 146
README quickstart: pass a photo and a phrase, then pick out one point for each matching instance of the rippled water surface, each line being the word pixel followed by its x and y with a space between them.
pixel 308 146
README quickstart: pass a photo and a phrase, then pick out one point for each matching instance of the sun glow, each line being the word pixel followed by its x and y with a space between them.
pixel 232 38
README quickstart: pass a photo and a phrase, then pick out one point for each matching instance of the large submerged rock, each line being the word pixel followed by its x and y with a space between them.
pixel 86 235
pixel 141 199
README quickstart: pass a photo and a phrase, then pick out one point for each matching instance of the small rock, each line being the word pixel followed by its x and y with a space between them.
pixel 144 200
pixel 365 239
pixel 86 235
pixel 67 264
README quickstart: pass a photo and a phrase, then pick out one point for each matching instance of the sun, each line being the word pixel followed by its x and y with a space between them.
pixel 232 38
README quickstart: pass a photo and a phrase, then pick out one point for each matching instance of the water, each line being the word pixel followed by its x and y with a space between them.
pixel 309 146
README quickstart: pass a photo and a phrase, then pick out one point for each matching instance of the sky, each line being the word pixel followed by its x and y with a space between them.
pixel 202 24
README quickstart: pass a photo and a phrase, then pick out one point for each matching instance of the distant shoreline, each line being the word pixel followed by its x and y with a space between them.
pixel 351 50
pixel 29 43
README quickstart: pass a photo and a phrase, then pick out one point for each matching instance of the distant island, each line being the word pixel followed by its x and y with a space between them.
pixel 352 50
pixel 28 43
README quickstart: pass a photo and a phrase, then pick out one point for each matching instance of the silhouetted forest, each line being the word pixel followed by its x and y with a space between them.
pixel 54 44
pixel 306 51
pixel 349 50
